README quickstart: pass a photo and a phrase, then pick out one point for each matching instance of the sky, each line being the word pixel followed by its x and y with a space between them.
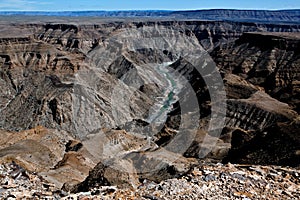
pixel 73 5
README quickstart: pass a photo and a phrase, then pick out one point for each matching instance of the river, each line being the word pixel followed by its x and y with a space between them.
pixel 158 112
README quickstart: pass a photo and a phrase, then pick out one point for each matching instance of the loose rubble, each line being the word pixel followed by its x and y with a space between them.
pixel 17 183
pixel 207 181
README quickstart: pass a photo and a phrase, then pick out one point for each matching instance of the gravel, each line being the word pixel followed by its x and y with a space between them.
pixel 208 181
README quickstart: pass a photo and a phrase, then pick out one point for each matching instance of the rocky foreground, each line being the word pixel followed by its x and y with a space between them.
pixel 207 181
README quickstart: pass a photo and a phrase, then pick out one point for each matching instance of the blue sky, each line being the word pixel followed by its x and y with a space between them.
pixel 59 5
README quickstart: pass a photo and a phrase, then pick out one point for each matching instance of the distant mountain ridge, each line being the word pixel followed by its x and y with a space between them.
pixel 276 16
pixel 287 16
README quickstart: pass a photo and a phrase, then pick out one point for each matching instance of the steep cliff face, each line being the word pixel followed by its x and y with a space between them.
pixel 268 60
pixel 209 33
pixel 213 34
pixel 32 72
pixel 268 63
pixel 46 81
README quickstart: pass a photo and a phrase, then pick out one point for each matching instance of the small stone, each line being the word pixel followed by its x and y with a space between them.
pixel 151 197
pixel 210 177
pixel 237 194
pixel 84 198
pixel 287 193
pixel 278 191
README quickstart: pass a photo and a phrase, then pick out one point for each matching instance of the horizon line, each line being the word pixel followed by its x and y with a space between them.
pixel 167 10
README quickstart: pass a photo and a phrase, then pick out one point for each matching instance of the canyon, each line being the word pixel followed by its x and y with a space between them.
pixel 114 102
